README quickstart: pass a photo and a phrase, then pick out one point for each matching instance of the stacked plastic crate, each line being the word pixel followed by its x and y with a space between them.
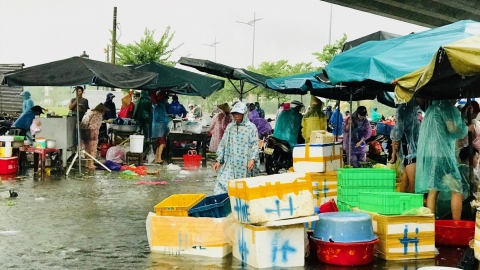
pixel 190 224
pixel 270 213
pixel 351 182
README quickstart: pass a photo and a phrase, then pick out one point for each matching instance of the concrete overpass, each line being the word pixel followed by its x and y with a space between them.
pixel 428 13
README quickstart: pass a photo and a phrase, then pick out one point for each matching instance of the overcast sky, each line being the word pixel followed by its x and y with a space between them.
pixel 39 31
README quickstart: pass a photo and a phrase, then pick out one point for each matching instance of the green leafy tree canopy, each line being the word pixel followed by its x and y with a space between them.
pixel 329 51
pixel 147 50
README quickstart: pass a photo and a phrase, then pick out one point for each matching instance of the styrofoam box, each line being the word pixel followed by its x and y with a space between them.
pixel 271 246
pixel 187 235
pixel 270 198
pixel 317 157
pixel 403 237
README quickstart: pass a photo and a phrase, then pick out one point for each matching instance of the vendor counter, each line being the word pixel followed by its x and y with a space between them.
pixel 201 139
pixel 60 129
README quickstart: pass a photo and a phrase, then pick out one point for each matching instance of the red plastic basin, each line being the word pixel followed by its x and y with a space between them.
pixel 8 165
pixel 454 232
pixel 348 254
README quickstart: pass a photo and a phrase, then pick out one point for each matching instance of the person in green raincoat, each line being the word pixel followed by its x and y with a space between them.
pixel 237 154
pixel 289 124
pixel 437 169
pixel 376 117
pixel 143 113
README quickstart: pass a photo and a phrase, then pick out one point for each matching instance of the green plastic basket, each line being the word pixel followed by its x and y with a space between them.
pixel 351 194
pixel 379 177
pixel 389 203
pixel 346 206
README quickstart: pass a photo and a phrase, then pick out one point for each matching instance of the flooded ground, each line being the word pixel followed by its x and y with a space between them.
pixel 97 221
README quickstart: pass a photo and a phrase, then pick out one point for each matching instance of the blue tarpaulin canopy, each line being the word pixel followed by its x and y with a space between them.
pixel 377 64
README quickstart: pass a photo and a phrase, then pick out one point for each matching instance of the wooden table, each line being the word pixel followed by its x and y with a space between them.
pixel 201 139
pixel 37 153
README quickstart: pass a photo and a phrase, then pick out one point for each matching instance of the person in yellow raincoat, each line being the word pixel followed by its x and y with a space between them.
pixel 314 119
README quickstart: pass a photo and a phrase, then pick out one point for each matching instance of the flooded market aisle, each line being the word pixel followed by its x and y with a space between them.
pixel 97 221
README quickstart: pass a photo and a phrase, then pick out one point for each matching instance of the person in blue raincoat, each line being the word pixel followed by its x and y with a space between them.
pixel 112 110
pixel 437 169
pixel 160 125
pixel 237 154
pixel 27 101
pixel 336 122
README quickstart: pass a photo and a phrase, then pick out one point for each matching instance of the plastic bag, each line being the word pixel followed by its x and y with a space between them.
pixel 112 165
pixel 150 155
pixel 35 126
pixel 116 154
pixel 193 127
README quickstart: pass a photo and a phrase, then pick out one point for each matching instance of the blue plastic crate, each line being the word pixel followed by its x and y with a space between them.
pixel 384 129
pixel 215 206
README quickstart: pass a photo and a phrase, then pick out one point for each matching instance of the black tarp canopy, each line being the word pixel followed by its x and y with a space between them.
pixel 80 71
pixel 380 35
pixel 230 73
pixel 180 81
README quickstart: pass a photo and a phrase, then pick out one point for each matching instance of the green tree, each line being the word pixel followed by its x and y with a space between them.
pixel 329 51
pixel 279 69
pixel 147 50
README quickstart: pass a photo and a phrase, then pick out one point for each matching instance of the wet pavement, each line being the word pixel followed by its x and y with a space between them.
pixel 97 221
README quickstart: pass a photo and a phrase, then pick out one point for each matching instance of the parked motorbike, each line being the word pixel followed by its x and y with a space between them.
pixel 277 155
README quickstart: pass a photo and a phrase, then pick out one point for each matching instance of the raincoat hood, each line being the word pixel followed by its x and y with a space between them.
pixel 25 95
pixel 240 107
pixel 109 96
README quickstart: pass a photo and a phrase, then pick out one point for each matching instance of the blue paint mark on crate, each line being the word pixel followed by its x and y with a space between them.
pixel 242 210
pixel 285 249
pixel 279 210
pixel 405 240
pixel 242 246
pixel 325 188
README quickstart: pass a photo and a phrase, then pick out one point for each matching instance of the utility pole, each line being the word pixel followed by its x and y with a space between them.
pixel 114 34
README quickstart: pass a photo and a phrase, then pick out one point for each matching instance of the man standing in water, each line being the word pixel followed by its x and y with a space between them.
pixel 237 153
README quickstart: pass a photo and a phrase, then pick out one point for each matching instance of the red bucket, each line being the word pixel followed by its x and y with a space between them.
pixel 454 232
pixel 192 161
pixel 329 206
pixel 347 254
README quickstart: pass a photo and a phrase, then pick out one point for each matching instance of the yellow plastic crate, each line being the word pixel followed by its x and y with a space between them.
pixel 324 186
pixel 178 204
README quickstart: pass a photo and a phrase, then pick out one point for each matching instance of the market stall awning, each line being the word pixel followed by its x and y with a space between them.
pixel 230 73
pixel 380 35
pixel 452 73
pixel 180 81
pixel 79 71
pixel 301 84
pixel 377 64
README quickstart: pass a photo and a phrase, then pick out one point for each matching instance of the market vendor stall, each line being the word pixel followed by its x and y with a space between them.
pixel 201 140
pixel 50 128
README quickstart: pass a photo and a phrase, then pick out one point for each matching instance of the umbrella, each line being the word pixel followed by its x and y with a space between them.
pixel 377 64
pixel 230 73
pixel 453 72
pixel 180 81
pixel 300 84
pixel 78 71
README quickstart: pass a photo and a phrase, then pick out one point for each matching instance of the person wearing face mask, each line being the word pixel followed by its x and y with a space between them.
pixel 237 153
pixel 361 130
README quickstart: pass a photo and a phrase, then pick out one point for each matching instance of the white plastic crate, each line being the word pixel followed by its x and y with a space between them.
pixel 317 157
pixel 270 198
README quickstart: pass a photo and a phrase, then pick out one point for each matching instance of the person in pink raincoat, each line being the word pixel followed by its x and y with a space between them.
pixel 219 124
